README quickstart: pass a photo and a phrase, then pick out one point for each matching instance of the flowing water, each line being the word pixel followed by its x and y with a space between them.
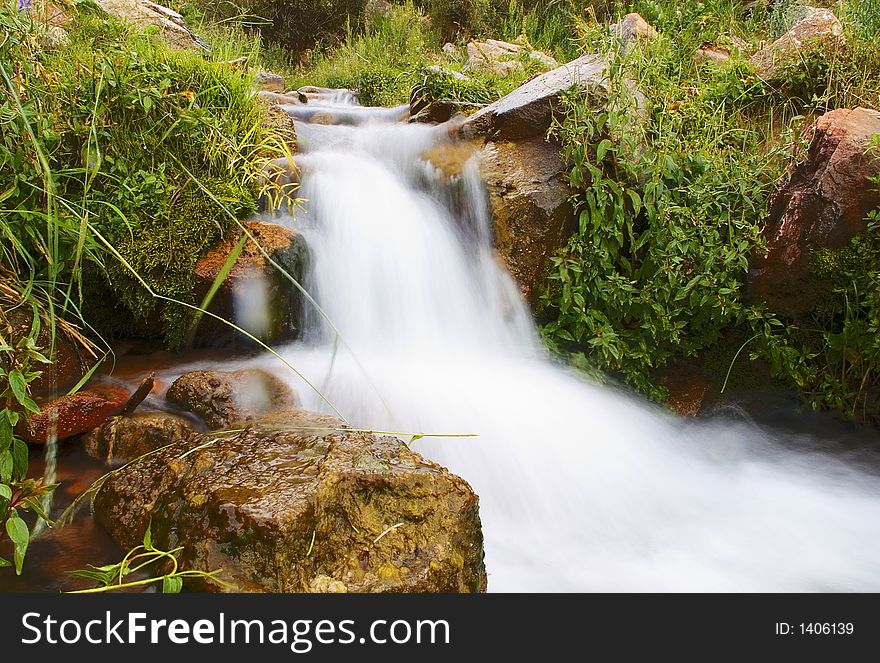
pixel 582 487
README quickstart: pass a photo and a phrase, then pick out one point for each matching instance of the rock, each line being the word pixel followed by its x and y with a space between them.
pixel 224 398
pixel 255 295
pixel 528 110
pixel 70 359
pixel 525 174
pixel 55 37
pixel 444 72
pixel 143 14
pixel 821 203
pixel 125 438
pixel 688 389
pixel 74 414
pixel 449 48
pixel 818 28
pixel 301 504
pixel 631 30
pixel 503 58
pixel 709 52
pixel 376 9
pixel 269 81
pixel 527 183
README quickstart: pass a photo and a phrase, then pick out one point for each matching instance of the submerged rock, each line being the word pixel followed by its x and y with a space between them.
pixel 817 29
pixel 224 398
pixel 126 438
pixel 74 414
pixel 822 203
pixel 302 505
pixel 255 295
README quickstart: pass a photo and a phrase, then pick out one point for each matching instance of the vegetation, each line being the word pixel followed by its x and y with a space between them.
pixel 93 157
pixel 18 493
pixel 669 215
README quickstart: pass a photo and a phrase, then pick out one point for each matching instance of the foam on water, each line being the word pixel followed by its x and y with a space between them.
pixel 581 487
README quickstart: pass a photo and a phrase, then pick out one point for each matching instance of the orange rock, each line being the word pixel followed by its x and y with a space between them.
pixel 74 414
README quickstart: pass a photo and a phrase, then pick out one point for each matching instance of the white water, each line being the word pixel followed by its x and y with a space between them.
pixel 581 487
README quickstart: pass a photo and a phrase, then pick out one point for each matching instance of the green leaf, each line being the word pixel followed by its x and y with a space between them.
pixel 5 491
pixel 5 431
pixel 602 148
pixel 6 464
pixel 4 562
pixel 18 532
pixel 19 459
pixel 18 385
pixel 172 585
pixel 148 538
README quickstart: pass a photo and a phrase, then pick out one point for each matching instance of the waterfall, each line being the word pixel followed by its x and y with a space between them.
pixel 581 487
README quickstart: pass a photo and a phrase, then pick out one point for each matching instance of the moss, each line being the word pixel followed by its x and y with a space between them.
pixel 164 252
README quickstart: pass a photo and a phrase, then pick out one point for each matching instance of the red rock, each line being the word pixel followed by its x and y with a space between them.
pixel 822 203
pixel 74 414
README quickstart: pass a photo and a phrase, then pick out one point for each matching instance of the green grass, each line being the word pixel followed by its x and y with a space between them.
pixel 104 136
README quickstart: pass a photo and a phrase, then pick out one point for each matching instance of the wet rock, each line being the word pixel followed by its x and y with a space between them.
pixel 302 505
pixel 125 438
pixel 74 414
pixel 269 81
pixel 821 203
pixel 688 389
pixel 503 58
pixel 528 110
pixel 632 29
pixel 527 183
pixel 224 398
pixel 255 294
pixel 818 28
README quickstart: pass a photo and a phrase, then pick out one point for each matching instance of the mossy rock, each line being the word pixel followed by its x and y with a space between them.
pixel 298 504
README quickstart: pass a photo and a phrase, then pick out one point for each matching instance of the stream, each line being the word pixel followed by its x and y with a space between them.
pixel 582 487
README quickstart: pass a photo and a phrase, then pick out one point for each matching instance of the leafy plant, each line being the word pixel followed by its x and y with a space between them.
pixel 129 572
pixel 668 212
pixel 18 494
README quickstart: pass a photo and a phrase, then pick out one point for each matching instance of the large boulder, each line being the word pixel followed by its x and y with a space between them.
pixel 528 110
pixel 125 438
pixel 255 295
pixel 524 171
pixel 224 398
pixel 817 28
pixel 302 504
pixel 822 203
